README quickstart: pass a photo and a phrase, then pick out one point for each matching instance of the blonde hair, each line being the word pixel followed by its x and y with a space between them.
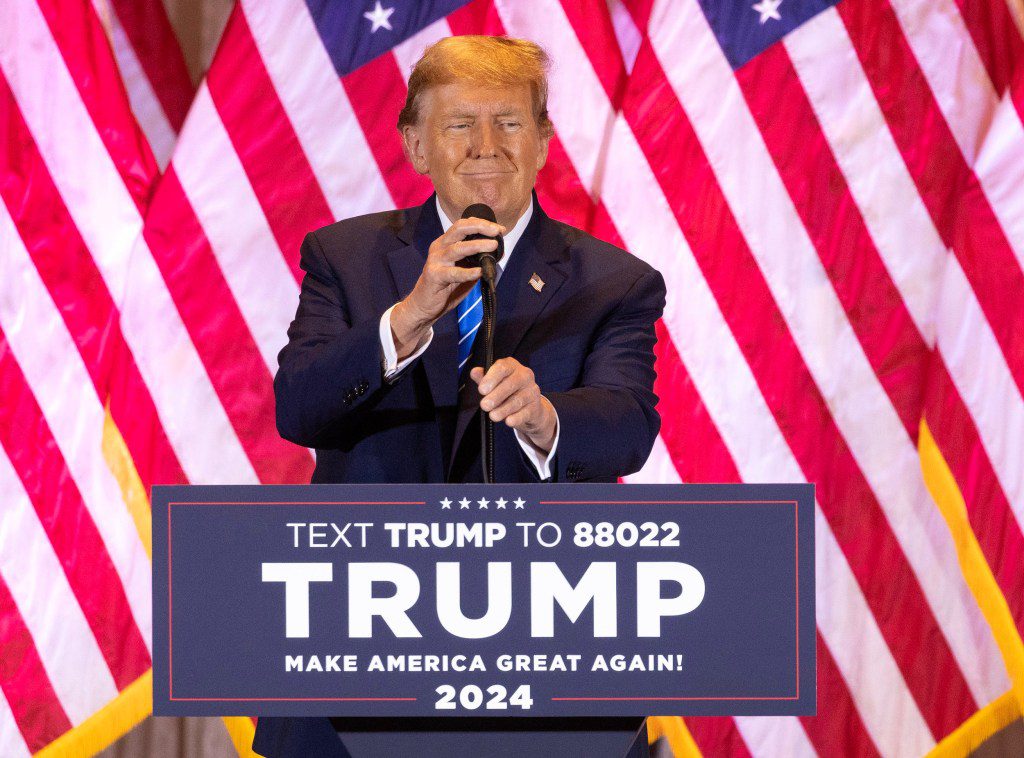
pixel 479 59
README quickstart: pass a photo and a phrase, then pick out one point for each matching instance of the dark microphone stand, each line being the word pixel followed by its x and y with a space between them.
pixel 488 263
pixel 490 302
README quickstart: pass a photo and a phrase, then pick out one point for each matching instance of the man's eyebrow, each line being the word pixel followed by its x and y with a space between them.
pixel 503 110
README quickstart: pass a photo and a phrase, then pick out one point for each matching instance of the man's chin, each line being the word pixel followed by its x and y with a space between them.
pixel 487 194
pixel 498 199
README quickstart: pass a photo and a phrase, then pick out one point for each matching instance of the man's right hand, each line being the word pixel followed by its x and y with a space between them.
pixel 442 283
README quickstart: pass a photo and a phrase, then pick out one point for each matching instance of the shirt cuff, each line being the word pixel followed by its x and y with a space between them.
pixel 392 366
pixel 540 460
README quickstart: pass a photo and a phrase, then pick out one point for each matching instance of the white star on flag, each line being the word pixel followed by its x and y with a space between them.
pixel 500 502
pixel 520 503
pixel 379 17
pixel 767 8
pixel 446 504
pixel 464 503
pixel 483 503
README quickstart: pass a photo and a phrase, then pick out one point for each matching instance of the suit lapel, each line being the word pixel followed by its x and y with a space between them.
pixel 520 304
pixel 406 264
pixel 541 250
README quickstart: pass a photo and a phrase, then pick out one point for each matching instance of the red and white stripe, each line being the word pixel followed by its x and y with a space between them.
pixel 827 288
pixel 104 212
pixel 152 68
pixel 10 737
pixel 751 434
pixel 242 243
pixel 981 340
pixel 38 341
pixel 86 325
pixel 72 662
pixel 864 414
pixel 932 286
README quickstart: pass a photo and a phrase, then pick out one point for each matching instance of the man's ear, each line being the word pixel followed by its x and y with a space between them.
pixel 542 156
pixel 412 144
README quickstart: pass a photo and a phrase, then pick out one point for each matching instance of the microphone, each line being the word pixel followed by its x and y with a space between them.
pixel 487 262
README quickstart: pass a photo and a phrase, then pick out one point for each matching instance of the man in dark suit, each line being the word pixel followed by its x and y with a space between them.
pixel 382 374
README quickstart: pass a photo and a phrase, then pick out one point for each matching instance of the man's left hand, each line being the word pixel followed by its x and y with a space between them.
pixel 510 394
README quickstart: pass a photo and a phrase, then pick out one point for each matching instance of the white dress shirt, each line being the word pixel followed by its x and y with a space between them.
pixel 392 366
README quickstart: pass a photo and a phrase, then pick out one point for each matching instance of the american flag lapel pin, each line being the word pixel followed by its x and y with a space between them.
pixel 536 282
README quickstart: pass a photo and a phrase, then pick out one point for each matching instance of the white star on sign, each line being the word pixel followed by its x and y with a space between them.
pixel 464 503
pixel 483 503
pixel 446 504
pixel 520 503
pixel 767 8
pixel 379 17
pixel 500 502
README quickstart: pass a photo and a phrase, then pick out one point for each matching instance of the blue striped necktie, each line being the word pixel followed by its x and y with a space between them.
pixel 470 312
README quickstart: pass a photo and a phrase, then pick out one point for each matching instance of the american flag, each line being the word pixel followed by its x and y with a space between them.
pixel 834 193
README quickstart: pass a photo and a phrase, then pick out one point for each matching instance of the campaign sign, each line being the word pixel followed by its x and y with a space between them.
pixel 483 600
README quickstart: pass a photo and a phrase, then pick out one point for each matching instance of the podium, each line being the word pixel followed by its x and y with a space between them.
pixel 482 619
pixel 496 738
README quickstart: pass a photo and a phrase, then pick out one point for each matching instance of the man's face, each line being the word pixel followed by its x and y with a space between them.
pixel 478 145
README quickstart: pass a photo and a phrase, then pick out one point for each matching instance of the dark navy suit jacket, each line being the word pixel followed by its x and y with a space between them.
pixel 587 334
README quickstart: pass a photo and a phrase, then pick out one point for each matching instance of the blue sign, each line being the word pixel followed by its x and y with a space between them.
pixel 484 600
